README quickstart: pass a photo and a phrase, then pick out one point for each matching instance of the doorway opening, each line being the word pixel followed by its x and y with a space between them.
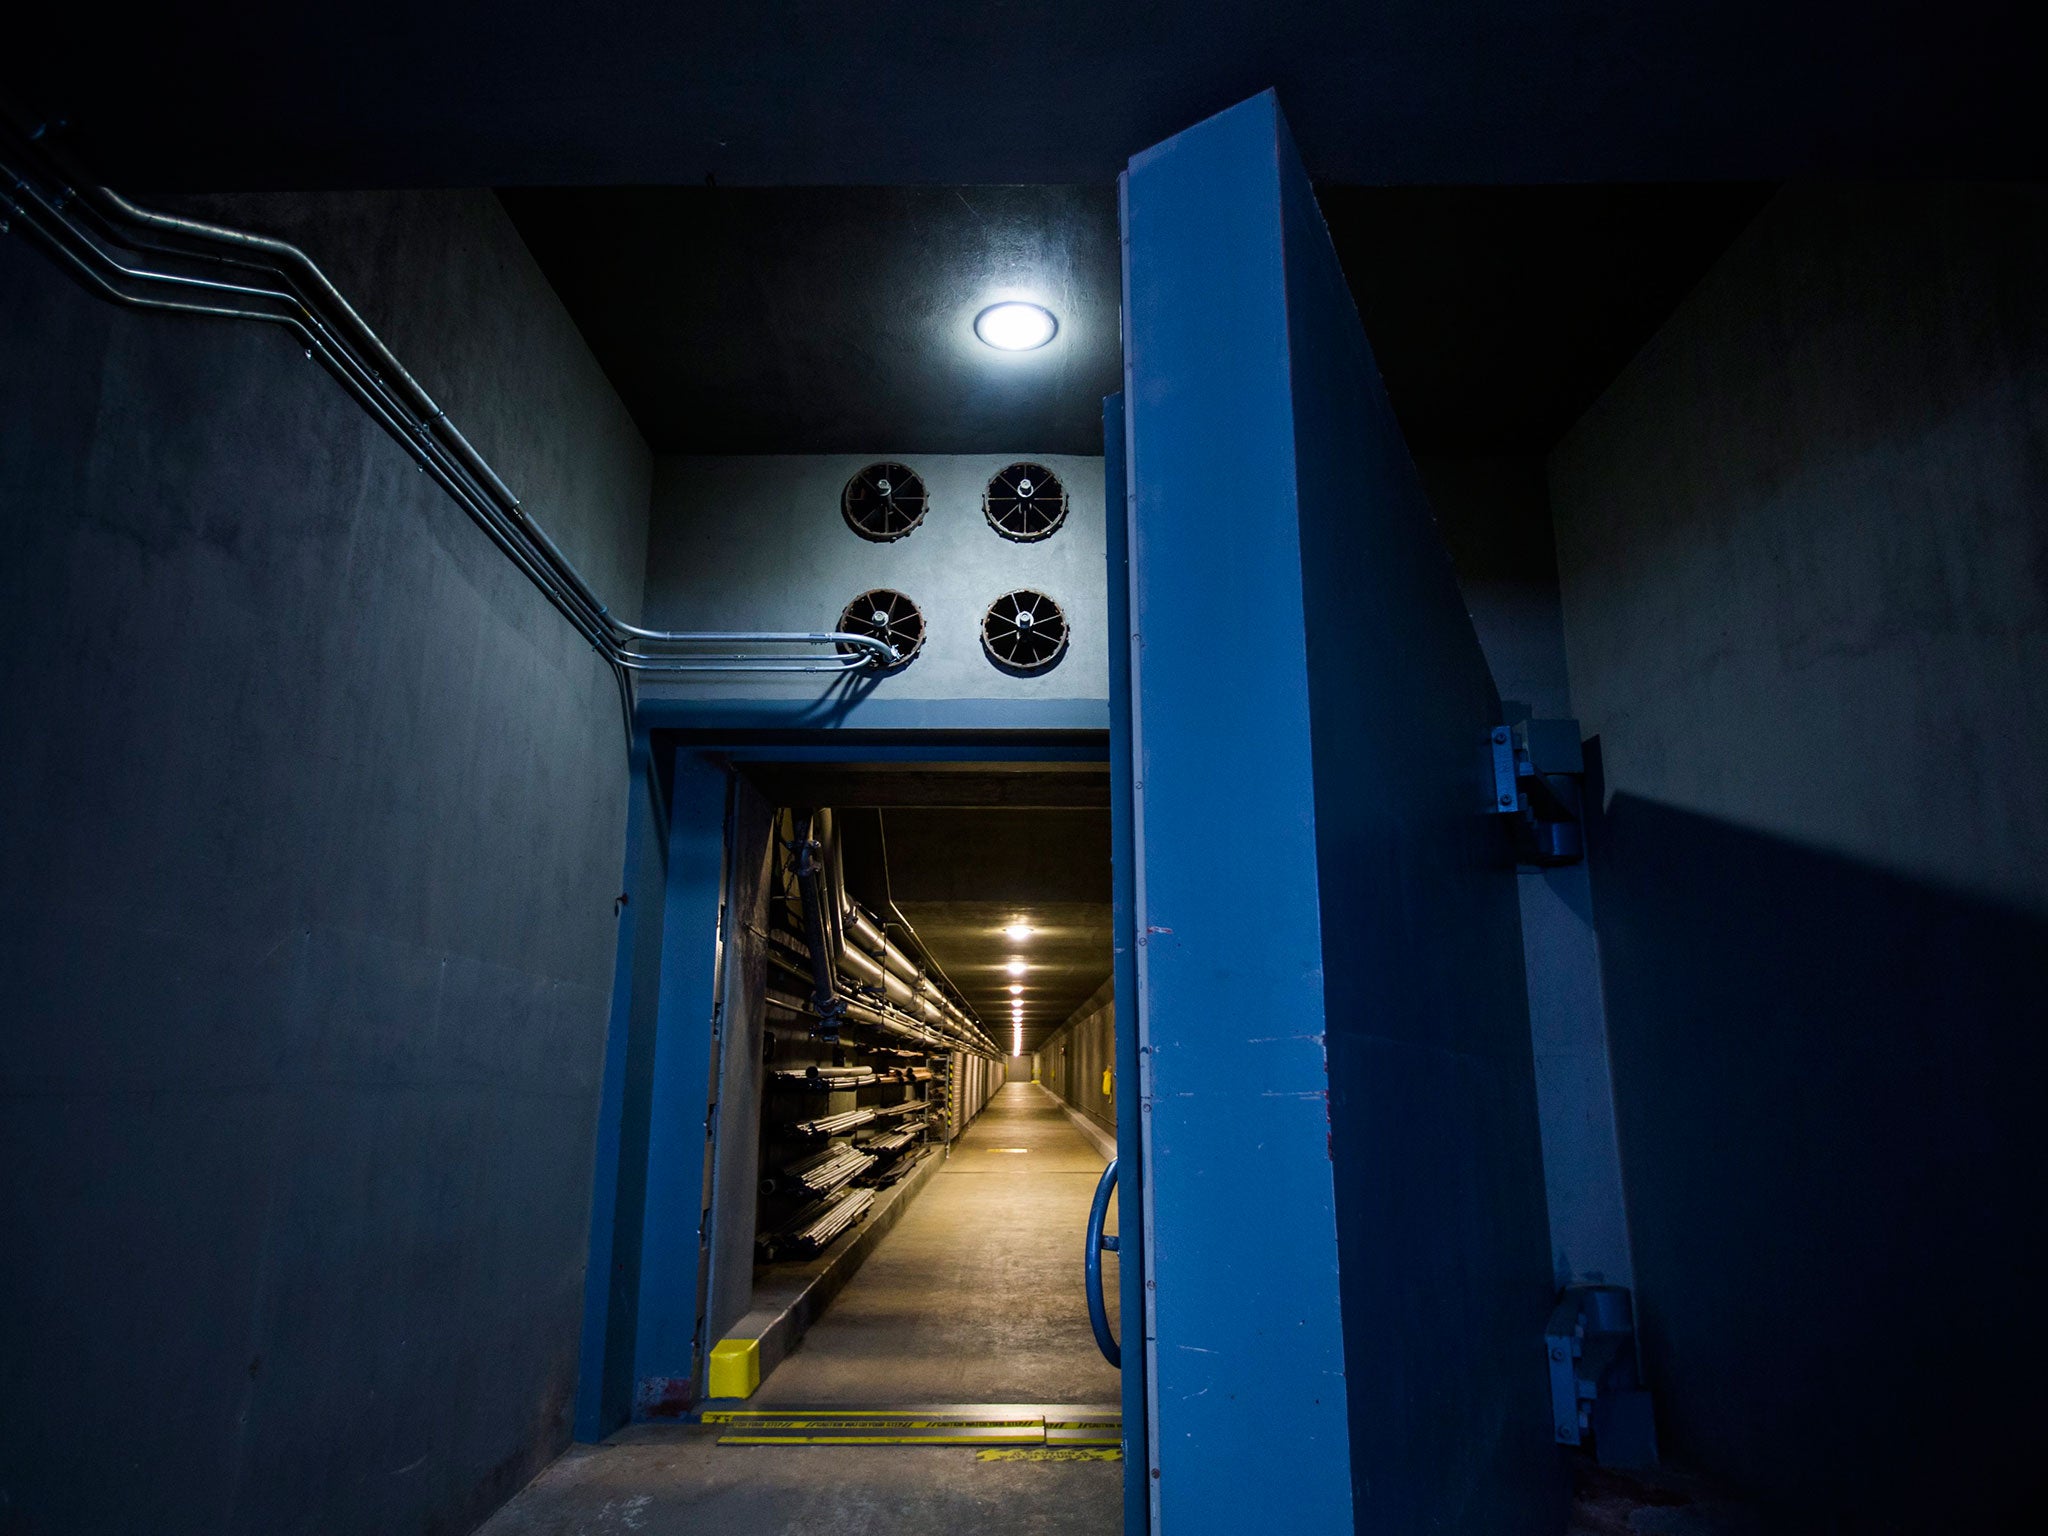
pixel 905 1155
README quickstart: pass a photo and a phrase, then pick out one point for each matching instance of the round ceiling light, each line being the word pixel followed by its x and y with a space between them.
pixel 1014 326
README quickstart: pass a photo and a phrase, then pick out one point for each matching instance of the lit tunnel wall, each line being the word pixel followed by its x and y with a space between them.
pixel 1076 1060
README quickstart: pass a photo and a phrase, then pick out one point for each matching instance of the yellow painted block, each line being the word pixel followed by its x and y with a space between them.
pixel 735 1367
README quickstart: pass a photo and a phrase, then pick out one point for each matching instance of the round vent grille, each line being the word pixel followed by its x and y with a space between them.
pixel 887 616
pixel 1024 631
pixel 883 502
pixel 1025 502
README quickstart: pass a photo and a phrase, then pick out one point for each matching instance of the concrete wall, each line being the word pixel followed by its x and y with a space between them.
pixel 1494 515
pixel 759 543
pixel 1805 576
pixel 1074 1057
pixel 313 832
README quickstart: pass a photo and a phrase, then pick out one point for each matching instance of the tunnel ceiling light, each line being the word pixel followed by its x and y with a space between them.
pixel 1014 326
pixel 1016 989
pixel 1019 931
pixel 1016 967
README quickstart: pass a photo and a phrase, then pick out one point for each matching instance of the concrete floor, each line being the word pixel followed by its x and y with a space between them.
pixel 974 1297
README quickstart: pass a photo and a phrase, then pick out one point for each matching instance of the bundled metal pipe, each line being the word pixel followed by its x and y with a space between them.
pixel 156 261
pixel 872 957
pixel 820 1223
pixel 833 1125
pixel 891 1141
pixel 903 1001
pixel 822 1172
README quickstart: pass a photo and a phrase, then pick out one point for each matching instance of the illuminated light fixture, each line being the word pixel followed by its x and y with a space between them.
pixel 1016 967
pixel 1016 989
pixel 1018 930
pixel 1014 326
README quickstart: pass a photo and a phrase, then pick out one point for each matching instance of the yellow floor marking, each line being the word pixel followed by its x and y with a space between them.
pixel 1063 1453
pixel 961 1438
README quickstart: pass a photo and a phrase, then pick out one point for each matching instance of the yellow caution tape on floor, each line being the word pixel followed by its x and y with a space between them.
pixel 1053 1453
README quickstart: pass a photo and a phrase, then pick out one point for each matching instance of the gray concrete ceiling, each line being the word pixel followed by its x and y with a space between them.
pixel 532 92
pixel 839 320
pixel 835 320
pixel 970 851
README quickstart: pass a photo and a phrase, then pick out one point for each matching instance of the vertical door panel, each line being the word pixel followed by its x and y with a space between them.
pixel 1343 1179
pixel 1248 1395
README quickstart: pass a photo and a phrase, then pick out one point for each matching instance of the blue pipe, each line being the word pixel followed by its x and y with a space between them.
pixel 1091 1267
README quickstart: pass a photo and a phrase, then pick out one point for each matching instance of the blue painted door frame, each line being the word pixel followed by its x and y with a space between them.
pixel 643 1290
pixel 1346 1256
pixel 647 1203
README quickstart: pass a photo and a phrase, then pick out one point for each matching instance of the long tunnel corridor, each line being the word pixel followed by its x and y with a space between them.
pixel 973 1298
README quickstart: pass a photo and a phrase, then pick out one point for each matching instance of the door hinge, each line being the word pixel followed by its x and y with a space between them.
pixel 1538 773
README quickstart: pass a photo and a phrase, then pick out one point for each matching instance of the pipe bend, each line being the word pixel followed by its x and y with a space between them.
pixel 384 387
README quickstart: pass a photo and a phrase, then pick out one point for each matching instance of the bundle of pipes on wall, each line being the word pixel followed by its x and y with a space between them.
pixel 161 262
pixel 860 974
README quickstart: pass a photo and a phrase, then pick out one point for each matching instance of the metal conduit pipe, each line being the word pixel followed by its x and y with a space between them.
pixel 93 266
pixel 870 938
pixel 303 301
pixel 874 948
pixel 94 275
pixel 868 970
pixel 901 1028
pixel 828 917
pixel 863 948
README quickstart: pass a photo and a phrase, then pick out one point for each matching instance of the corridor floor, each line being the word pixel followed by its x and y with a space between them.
pixel 975 1296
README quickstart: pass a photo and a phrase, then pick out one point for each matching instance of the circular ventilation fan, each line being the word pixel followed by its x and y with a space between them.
pixel 1024 631
pixel 883 502
pixel 1025 502
pixel 886 616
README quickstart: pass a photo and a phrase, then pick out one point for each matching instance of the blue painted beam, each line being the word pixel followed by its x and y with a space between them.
pixel 855 709
pixel 611 1281
pixel 665 1363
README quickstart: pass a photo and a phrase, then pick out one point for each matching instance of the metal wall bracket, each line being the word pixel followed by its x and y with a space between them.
pixel 1596 1385
pixel 1537 773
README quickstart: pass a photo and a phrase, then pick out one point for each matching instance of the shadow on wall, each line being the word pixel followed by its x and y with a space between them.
pixel 1829 1084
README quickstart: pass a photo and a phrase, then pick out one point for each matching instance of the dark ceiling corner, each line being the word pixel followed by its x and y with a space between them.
pixel 1499 314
